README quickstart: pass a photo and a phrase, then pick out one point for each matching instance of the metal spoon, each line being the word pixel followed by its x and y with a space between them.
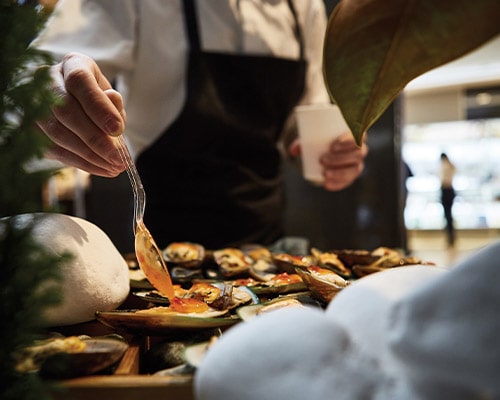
pixel 148 254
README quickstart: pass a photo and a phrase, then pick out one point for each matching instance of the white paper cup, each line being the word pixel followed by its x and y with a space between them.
pixel 317 125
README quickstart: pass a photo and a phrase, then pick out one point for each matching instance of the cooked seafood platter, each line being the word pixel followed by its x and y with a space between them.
pixel 214 289
pixel 212 285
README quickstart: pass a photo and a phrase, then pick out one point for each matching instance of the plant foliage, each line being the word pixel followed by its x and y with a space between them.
pixel 24 98
pixel 25 265
pixel 373 48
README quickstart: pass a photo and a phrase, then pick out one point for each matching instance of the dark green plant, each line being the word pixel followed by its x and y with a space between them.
pixel 25 266
pixel 24 99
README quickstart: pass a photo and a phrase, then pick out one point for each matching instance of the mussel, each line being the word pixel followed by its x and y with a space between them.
pixel 288 262
pixel 323 283
pixel 232 261
pixel 184 254
pixel 331 260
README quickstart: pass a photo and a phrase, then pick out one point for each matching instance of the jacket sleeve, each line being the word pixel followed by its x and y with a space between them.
pixel 102 29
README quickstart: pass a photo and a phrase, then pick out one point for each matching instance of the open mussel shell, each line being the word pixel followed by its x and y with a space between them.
pixel 185 275
pixel 277 284
pixel 299 299
pixel 241 296
pixel 331 260
pixel 232 296
pixel 364 270
pixel 288 262
pixel 99 354
pixel 356 257
pixel 152 296
pixel 323 283
pixel 261 267
pixel 248 312
pixel 257 252
pixel 263 270
pixel 386 262
pixel 154 321
pixel 223 297
pixel 232 261
pixel 390 258
pixel 184 254
pixel 267 289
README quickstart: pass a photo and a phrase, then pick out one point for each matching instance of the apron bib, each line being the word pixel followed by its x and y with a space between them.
pixel 214 176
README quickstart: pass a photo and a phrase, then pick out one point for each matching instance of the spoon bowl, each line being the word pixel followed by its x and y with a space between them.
pixel 151 261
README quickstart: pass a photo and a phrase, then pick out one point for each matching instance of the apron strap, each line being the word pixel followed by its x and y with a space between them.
pixel 298 31
pixel 193 31
pixel 191 24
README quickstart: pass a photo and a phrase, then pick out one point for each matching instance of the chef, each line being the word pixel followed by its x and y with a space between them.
pixel 207 89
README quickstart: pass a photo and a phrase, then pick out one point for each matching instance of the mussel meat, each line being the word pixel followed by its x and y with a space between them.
pixel 184 254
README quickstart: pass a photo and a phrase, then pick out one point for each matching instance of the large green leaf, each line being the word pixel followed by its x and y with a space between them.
pixel 373 48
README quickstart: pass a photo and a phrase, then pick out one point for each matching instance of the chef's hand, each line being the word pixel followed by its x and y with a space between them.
pixel 343 161
pixel 89 114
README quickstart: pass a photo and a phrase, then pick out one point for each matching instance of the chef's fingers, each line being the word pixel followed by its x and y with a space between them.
pixel 344 151
pixel 341 177
pixel 117 100
pixel 343 163
pixel 345 143
pixel 63 141
pixel 98 149
pixel 68 158
pixel 85 82
pixel 79 86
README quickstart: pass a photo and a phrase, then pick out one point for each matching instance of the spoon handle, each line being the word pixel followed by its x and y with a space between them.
pixel 135 180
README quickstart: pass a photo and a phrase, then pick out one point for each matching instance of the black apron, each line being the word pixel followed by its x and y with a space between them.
pixel 214 176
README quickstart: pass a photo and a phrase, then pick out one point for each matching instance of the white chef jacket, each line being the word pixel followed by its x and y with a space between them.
pixel 141 45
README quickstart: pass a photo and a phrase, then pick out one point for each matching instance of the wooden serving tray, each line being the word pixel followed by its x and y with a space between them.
pixel 127 387
pixel 126 383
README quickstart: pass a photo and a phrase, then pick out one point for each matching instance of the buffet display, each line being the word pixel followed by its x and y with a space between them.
pixel 214 290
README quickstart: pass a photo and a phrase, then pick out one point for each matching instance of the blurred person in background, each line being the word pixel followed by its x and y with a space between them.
pixel 447 173
pixel 209 88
